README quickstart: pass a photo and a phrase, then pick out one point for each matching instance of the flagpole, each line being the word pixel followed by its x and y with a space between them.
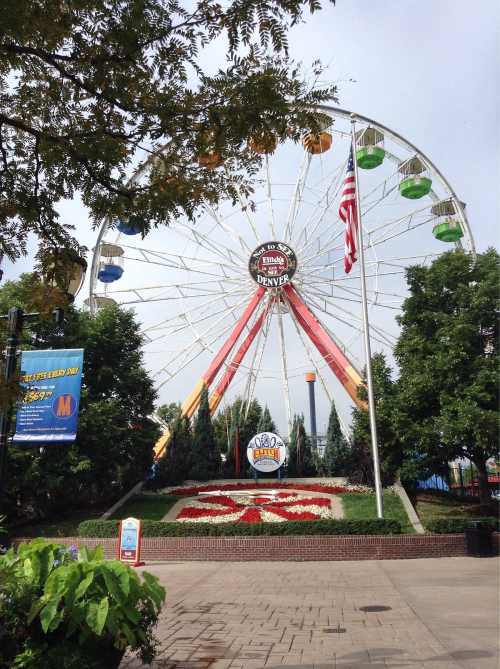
pixel 366 332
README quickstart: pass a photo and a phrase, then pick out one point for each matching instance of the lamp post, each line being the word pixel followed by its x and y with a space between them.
pixel 70 280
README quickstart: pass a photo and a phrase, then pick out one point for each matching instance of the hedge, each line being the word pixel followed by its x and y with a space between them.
pixel 458 525
pixel 152 528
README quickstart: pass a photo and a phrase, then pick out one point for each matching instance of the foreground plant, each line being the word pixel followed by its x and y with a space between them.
pixel 64 609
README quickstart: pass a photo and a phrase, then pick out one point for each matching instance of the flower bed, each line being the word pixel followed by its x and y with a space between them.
pixel 190 491
pixel 283 506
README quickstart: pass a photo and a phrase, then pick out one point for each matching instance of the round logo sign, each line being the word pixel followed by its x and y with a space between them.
pixel 266 452
pixel 272 264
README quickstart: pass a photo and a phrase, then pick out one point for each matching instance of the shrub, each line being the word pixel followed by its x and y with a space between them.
pixel 458 525
pixel 150 528
pixel 64 610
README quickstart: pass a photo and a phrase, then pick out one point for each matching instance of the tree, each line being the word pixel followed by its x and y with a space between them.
pixel 237 417
pixel 91 90
pixel 205 460
pixel 337 455
pixel 169 412
pixel 173 468
pixel 389 444
pixel 448 358
pixel 113 449
pixel 266 423
pixel 300 456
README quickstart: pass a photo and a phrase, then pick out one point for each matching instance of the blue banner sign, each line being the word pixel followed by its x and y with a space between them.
pixel 48 411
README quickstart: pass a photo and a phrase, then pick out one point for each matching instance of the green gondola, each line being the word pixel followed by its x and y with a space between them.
pixel 369 157
pixel 448 231
pixel 415 187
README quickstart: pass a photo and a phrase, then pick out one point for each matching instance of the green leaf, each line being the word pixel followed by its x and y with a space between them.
pixel 82 588
pixel 123 573
pixel 35 609
pixel 102 614
pixel 113 585
pixel 48 613
pixel 132 614
pixel 129 634
pixel 84 554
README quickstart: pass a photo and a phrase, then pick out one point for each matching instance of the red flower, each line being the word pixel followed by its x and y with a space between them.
pixel 251 515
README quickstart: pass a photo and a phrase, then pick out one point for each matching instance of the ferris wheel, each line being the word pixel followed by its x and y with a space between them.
pixel 254 293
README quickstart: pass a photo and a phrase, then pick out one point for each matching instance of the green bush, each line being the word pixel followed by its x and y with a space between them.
pixel 151 528
pixel 61 609
pixel 458 525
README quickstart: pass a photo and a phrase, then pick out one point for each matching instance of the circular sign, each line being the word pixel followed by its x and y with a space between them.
pixel 266 452
pixel 272 264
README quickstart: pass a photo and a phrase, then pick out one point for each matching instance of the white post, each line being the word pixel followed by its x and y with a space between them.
pixel 366 332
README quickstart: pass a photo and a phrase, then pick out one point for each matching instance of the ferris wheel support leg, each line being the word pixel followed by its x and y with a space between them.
pixel 191 403
pixel 335 358
pixel 223 384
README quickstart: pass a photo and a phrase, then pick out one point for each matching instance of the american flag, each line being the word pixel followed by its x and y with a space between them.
pixel 349 215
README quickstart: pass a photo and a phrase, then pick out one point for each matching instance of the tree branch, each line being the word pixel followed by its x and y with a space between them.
pixel 52 59
pixel 79 157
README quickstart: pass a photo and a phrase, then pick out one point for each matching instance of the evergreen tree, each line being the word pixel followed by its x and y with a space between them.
pixel 173 468
pixel 360 469
pixel 336 458
pixel 205 460
pixel 300 456
pixel 266 423
pixel 169 412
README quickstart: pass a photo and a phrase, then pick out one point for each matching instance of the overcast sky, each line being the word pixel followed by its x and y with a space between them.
pixel 428 69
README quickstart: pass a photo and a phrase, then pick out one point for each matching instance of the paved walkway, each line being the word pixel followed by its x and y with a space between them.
pixel 429 614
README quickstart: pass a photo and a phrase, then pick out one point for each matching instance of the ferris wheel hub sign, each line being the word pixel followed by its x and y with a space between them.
pixel 272 264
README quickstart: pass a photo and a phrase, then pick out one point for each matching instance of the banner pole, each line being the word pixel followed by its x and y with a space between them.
pixel 366 333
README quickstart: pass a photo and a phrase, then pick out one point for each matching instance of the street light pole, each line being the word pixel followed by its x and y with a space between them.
pixel 15 321
pixel 15 318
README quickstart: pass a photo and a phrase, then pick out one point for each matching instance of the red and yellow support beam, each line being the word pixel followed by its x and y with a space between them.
pixel 335 358
pixel 223 384
pixel 192 402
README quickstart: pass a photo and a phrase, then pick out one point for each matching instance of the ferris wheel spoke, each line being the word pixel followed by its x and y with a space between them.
pixel 187 360
pixel 297 195
pixel 352 292
pixel 205 311
pixel 254 371
pixel 284 370
pixel 399 233
pixel 244 208
pixel 269 194
pixel 184 264
pixel 228 229
pixel 378 334
pixel 219 249
pixel 323 205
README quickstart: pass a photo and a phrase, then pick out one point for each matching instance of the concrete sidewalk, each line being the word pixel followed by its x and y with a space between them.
pixel 426 614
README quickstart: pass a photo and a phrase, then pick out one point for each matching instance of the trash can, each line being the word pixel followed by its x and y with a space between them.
pixel 478 539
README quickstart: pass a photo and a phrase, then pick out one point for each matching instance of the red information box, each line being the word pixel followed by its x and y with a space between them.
pixel 129 542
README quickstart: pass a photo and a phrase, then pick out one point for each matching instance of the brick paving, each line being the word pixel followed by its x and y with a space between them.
pixel 312 615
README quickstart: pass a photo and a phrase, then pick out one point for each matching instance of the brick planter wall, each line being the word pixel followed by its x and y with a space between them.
pixel 289 547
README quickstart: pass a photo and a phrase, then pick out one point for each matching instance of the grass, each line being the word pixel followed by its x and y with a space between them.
pixel 432 504
pixel 360 506
pixel 146 507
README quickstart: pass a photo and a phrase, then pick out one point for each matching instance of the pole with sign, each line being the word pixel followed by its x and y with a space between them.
pixel 129 542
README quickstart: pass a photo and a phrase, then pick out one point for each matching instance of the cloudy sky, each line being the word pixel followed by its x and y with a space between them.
pixel 428 69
